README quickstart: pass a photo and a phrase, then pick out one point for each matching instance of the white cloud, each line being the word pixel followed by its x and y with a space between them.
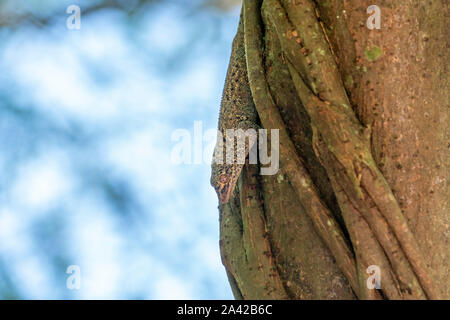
pixel 96 248
pixel 32 273
pixel 12 232
pixel 169 286
pixel 56 77
pixel 42 182
pixel 144 156
pixel 208 252
pixel 164 31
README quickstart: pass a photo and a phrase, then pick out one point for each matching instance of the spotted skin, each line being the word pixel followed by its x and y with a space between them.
pixel 237 111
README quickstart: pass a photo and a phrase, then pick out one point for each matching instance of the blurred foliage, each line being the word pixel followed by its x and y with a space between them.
pixel 14 13
pixel 40 13
pixel 27 131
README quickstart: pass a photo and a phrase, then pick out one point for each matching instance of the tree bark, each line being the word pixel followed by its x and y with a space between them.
pixel 364 153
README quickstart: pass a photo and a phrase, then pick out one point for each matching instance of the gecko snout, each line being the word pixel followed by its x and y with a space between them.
pixel 223 178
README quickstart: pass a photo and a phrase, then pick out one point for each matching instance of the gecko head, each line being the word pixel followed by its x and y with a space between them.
pixel 224 182
pixel 224 189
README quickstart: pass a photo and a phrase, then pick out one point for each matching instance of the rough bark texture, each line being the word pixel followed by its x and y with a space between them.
pixel 364 152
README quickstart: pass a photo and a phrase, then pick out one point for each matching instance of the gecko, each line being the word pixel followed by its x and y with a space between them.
pixel 237 111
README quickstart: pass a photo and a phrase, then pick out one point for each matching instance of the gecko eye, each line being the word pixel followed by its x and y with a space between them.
pixel 223 178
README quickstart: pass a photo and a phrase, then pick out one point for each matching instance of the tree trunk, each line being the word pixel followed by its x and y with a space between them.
pixel 363 180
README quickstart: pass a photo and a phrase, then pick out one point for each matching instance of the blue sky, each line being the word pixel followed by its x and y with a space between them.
pixel 86 173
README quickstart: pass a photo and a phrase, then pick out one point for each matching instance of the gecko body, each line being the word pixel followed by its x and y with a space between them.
pixel 237 111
